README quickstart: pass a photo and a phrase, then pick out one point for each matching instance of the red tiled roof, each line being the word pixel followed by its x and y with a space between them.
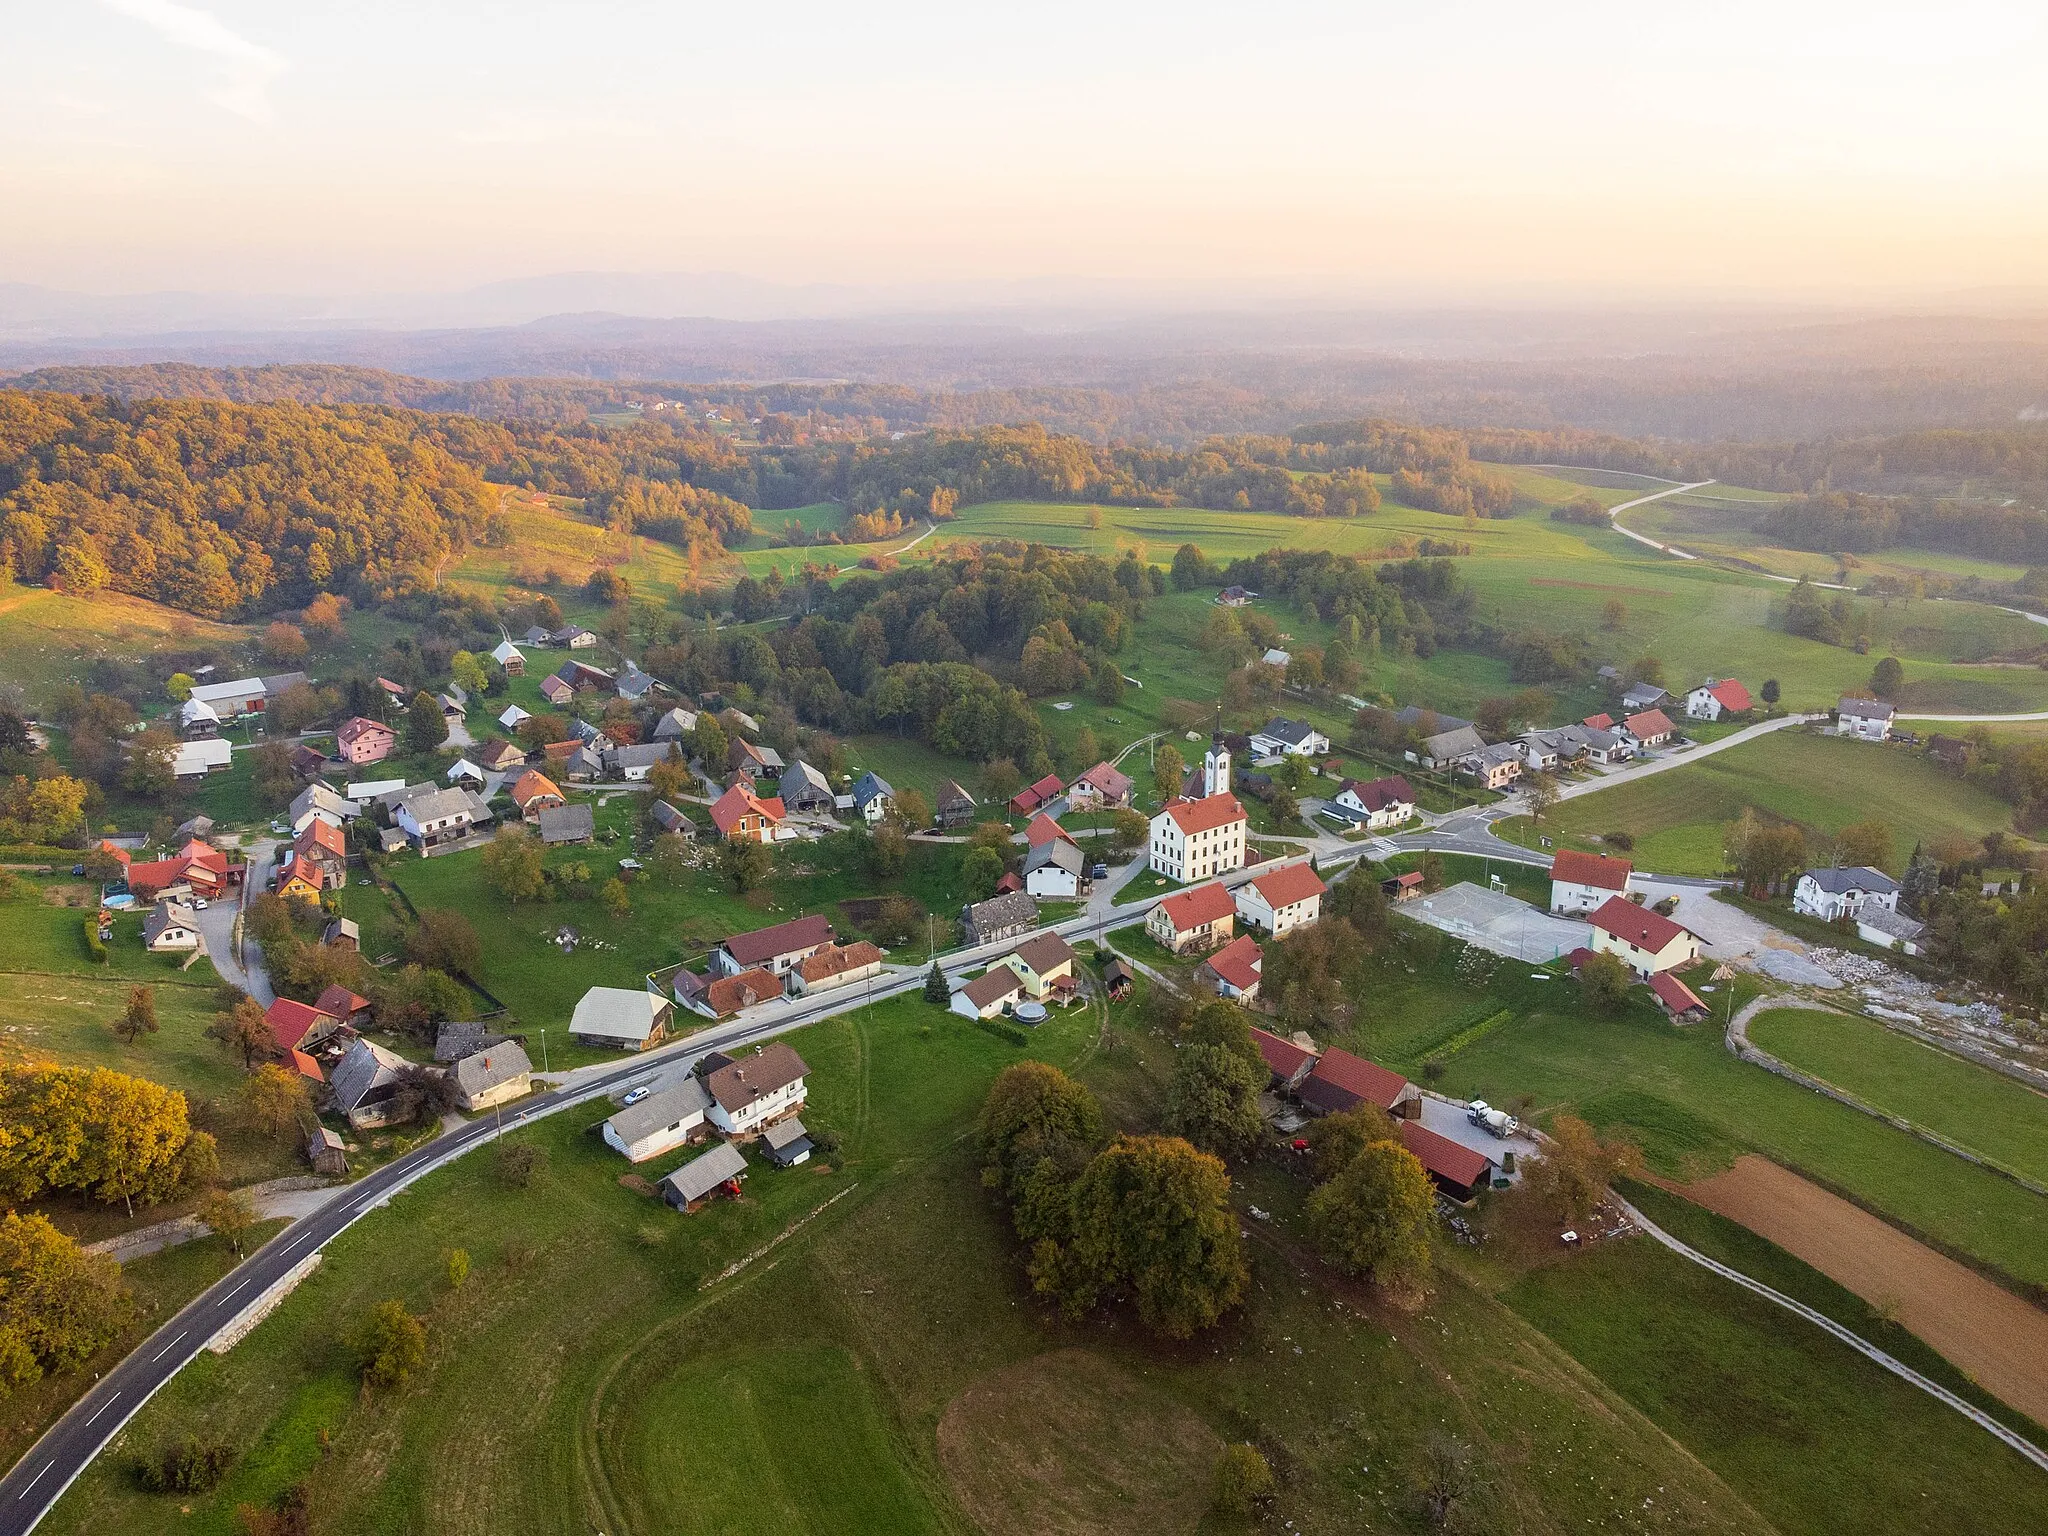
pixel 1651 722
pixel 1675 994
pixel 1237 962
pixel 729 994
pixel 289 1021
pixel 307 1066
pixel 739 801
pixel 1408 879
pixel 1378 794
pixel 1290 883
pixel 1636 925
pixel 839 959
pixel 1047 788
pixel 1732 694
pixel 1044 829
pixel 750 949
pixel 1282 1057
pixel 1449 1160
pixel 338 1001
pixel 1601 722
pixel 1575 868
pixel 1204 904
pixel 1206 814
pixel 360 725
pixel 1114 783
pixel 532 785
pixel 323 835
pixel 1360 1080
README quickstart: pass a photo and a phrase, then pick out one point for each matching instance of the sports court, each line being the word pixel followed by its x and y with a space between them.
pixel 1497 921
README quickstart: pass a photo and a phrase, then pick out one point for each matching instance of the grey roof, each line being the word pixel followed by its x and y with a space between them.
pixel 1456 742
pixel 617 1013
pixel 677 722
pixel 439 803
pixel 1567 740
pixel 390 839
pixel 669 819
pixel 1293 732
pixel 645 755
pixel 1412 714
pixel 318 797
pixel 1598 740
pixel 198 826
pixel 535 635
pixel 583 763
pixel 871 786
pixel 1487 757
pixel 634 684
pixel 459 1038
pixel 800 776
pixel 484 1070
pixel 278 682
pixel 1885 920
pixel 1865 709
pixel 1858 877
pixel 366 1067
pixel 951 794
pixel 1056 850
pixel 697 1178
pixel 684 1096
pixel 567 823
pixel 584 731
pixel 342 928
pixel 1644 696
pixel 1002 912
pixel 168 914
pixel 783 1132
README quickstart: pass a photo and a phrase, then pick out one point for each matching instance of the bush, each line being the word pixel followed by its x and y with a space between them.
pixel 95 951
pixel 1243 1481
pixel 390 1345
pixel 1623 842
pixel 1002 1031
pixel 520 1162
pixel 189 1465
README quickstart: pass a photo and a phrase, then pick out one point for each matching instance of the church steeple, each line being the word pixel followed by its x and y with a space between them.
pixel 1216 768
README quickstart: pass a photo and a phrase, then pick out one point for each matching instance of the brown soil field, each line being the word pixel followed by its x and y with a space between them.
pixel 1068 1444
pixel 2000 1340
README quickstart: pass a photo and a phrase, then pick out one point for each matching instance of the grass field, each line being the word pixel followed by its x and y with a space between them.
pixel 1985 1111
pixel 46 637
pixel 1822 782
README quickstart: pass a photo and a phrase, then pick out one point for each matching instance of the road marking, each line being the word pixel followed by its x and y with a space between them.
pixel 231 1295
pixel 103 1407
pixel 170 1346
pixel 33 1481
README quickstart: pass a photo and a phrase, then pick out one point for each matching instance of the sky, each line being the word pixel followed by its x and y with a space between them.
pixel 1189 152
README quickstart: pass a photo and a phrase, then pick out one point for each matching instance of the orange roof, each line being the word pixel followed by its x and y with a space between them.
pixel 1204 904
pixel 839 959
pixel 323 835
pixel 1651 722
pixel 1636 925
pixel 1342 1081
pixel 1575 868
pixel 1044 829
pixel 1602 722
pixel 1237 962
pixel 530 786
pixel 1675 994
pixel 1452 1161
pixel 1283 1057
pixel 116 850
pixel 1290 883
pixel 739 802
pixel 1732 694
pixel 289 1021
pixel 308 1067
pixel 1206 814
pixel 729 994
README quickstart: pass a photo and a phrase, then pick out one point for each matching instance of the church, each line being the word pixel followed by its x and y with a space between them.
pixel 1197 839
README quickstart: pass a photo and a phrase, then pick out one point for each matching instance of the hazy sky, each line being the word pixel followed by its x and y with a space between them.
pixel 1195 148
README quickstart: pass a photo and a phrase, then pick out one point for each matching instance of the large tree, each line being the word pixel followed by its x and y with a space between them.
pixel 1372 1218
pixel 1212 1098
pixel 1037 1129
pixel 745 863
pixel 512 866
pixel 425 726
pixel 1576 1167
pixel 58 1303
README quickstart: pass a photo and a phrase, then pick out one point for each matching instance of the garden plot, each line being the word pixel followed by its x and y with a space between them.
pixel 1500 923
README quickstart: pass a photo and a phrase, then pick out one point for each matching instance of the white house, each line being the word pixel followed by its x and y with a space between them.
pixel 1864 719
pixel 776 950
pixel 1281 900
pixel 671 1114
pixel 1715 698
pixel 748 1092
pixel 1380 803
pixel 1646 942
pixel 1233 971
pixel 1054 868
pixel 196 759
pixel 873 797
pixel 1650 728
pixel 988 994
pixel 1585 882
pixel 1831 893
pixel 1281 737
pixel 170 926
pixel 633 763
pixel 1194 839
pixel 439 816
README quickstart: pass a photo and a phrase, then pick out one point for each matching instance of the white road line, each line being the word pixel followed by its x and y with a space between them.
pixel 170 1346
pixel 33 1481
pixel 103 1407
pixel 231 1295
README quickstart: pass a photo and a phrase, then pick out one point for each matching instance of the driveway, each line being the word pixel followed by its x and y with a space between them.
pixel 217 923
pixel 1448 1120
pixel 1730 933
pixel 1665 762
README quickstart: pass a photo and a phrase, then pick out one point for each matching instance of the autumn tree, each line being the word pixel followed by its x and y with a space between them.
pixel 390 1345
pixel 1540 792
pixel 616 899
pixel 913 809
pixel 1604 982
pixel 445 940
pixel 1037 1128
pixel 1336 1140
pixel 981 871
pixel 1576 1167
pixel 512 865
pixel 1169 770
pixel 276 1100
pixel 100 1133
pixel 745 863
pixel 244 1032
pixel 138 1018
pixel 1212 1099
pixel 1865 843
pixel 58 1304
pixel 1372 1218
pixel 229 1214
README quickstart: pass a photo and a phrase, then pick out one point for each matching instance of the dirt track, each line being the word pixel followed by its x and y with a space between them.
pixel 1989 1332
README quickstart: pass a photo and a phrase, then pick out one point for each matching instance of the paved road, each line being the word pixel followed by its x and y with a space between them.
pixel 1630 533
pixel 217 923
pixel 1671 760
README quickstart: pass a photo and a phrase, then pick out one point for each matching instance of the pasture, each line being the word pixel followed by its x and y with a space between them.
pixel 48 638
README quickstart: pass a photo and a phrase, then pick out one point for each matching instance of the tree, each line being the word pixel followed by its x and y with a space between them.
pixel 1866 843
pixel 670 860
pixel 1887 677
pixel 1613 613
pixel 745 863
pixel 519 1163
pixel 138 1018
pixel 888 847
pixel 149 772
pixel 446 940
pixel 58 1303
pixel 425 726
pixel 617 900
pixel 511 864
pixel 981 871
pixel 273 778
pixel 1152 1221
pixel 913 809
pixel 670 777
pixel 1373 1217
pixel 1191 569
pixel 1604 983
pixel 283 644
pixel 1336 1140
pixel 276 1100
pixel 1770 693
pixel 1644 669
pixel 244 1032
pixel 1000 779
pixel 1212 1099
pixel 709 740
pixel 390 1345
pixel 1037 1128
pixel 455 1267
pixel 1540 790
pixel 228 1213
pixel 91 1130
pixel 179 685
pixel 1169 771
pixel 1921 884
pixel 1243 1482
pixel 469 671
pixel 1447 1479
pixel 1576 1168
pixel 1109 684
pixel 935 988
pixel 1432 872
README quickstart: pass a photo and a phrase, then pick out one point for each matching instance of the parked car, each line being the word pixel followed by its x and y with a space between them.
pixel 198 903
pixel 636 1095
pixel 1098 872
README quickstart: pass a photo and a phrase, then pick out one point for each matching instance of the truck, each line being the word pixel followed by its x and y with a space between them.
pixel 1496 1122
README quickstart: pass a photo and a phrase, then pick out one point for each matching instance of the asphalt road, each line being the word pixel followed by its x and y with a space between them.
pixel 37 1481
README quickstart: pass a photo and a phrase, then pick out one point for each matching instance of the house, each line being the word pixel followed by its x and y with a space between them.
pixel 749 1092
pixel 998 918
pixel 384 791
pixel 342 933
pixel 574 636
pixel 989 994
pixel 509 656
pixel 1055 868
pixel 1545 751
pixel 499 757
pixel 787 1143
pixel 669 819
pixel 579 761
pixel 196 869
pixel 836 965
pixel 873 797
pixel 779 948
pixel 1044 963
pixel 1378 803
pixel 1679 1002
pixel 1645 941
pixel 1456 1169
pixel 1643 696
pixel 458 1038
pixel 1493 767
pixel 1275 657
pixel 742 756
pixel 1605 746
pixel 1427 722
pixel 1403 887
pixel 1281 737
pixel 1340 1081
pixel 299 883
pixel 632 763
pixel 533 792
pixel 298 1026
pixel 740 720
pixel 805 790
pixel 362 740
pixel 465 773
pixel 634 685
pixel 1651 728
pixel 689 1187
pixel 1713 699
pixel 438 819
pixel 582 677
pixel 196 759
pixel 171 926
pixel 1234 597
pixel 245 695
pixel 719 997
pixel 1864 719
pixel 628 1018
pixel 395 691
pixel 675 725
pixel 670 1115
pixel 1602 722
pixel 1449 746
pixel 308 762
pixel 325 1152
pixel 1118 978
pixel 1198 919
pixel 322 848
pixel 1282 899
pixel 196 828
pixel 1232 972
pixel 491 1076
pixel 564 824
pixel 454 702
pixel 1032 796
pixel 1287 1062
pixel 337 1002
pixel 197 718
pixel 1888 929
pixel 365 1084
pixel 741 817
pixel 1194 839
pixel 1583 882
pixel 1831 893
pixel 1101 788
pixel 556 691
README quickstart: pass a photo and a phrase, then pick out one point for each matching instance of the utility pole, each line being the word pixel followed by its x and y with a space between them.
pixel 544 1048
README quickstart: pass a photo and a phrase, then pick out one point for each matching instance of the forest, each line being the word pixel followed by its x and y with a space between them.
pixel 1845 521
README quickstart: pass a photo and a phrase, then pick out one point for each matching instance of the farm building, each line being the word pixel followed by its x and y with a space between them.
pixel 998 918
pixel 1056 869
pixel 691 1186
pixel 1340 1081
pixel 955 806
pixel 628 1018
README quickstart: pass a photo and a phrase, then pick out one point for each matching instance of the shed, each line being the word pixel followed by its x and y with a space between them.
pixel 722 1168
pixel 326 1152
pixel 787 1143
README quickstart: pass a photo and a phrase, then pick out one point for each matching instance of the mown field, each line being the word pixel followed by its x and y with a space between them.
pixel 1989 1113
pixel 593 1373
pixel 1678 818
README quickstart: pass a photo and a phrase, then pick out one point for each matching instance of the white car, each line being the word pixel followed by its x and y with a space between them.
pixel 636 1095
pixel 198 903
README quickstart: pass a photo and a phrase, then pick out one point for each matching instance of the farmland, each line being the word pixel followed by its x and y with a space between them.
pixel 47 637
